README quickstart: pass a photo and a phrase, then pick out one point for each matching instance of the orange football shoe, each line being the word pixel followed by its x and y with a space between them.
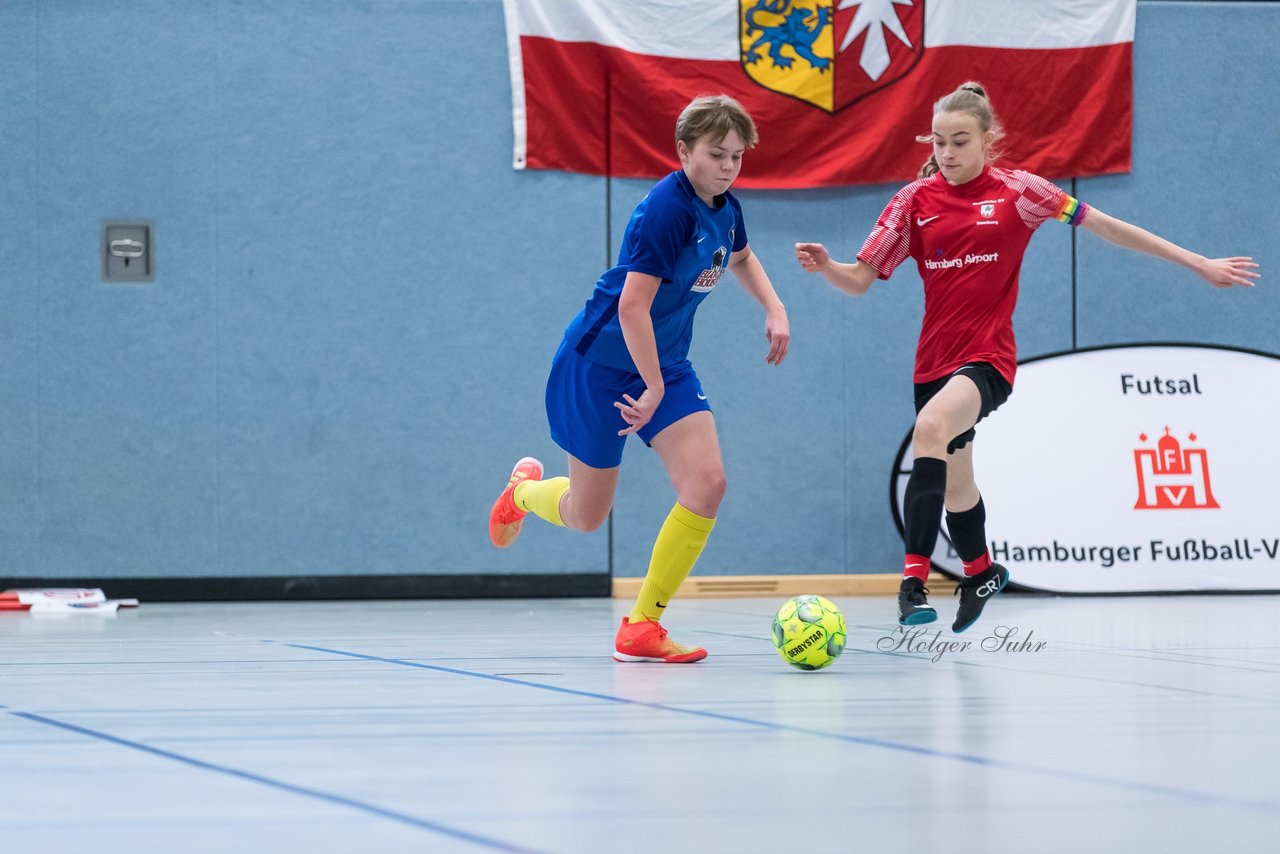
pixel 506 518
pixel 648 641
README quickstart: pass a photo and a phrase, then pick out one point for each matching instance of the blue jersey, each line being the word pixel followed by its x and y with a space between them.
pixel 674 235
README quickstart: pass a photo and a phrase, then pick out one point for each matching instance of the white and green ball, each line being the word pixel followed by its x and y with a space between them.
pixel 809 632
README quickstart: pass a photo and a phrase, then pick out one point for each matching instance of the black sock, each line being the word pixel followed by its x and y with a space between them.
pixel 969 531
pixel 922 505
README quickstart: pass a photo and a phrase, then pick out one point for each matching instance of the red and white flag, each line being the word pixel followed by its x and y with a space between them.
pixel 838 88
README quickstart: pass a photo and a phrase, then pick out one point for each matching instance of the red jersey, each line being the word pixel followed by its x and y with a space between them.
pixel 968 242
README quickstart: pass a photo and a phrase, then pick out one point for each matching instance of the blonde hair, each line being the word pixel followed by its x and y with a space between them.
pixel 715 116
pixel 971 99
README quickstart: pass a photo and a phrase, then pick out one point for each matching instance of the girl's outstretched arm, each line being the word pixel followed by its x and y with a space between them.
pixel 1219 272
pixel 853 278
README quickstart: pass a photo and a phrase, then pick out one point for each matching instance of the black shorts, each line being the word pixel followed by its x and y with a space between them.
pixel 993 388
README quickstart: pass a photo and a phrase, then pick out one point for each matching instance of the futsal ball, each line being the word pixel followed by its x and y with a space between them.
pixel 809 632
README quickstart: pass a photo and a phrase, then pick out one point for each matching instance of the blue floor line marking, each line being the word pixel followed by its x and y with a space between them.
pixel 1268 807
pixel 316 794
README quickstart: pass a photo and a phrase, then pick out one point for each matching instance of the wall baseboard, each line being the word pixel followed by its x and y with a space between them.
pixel 467 586
pixel 335 587
pixel 724 586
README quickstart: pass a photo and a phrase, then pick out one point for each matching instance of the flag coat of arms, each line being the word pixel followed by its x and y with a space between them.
pixel 839 88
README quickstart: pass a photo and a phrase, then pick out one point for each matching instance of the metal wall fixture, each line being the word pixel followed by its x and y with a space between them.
pixel 127 252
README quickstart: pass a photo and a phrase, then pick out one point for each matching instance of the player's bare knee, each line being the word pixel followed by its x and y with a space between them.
pixel 929 438
pixel 586 518
pixel 702 492
pixel 588 523
pixel 716 485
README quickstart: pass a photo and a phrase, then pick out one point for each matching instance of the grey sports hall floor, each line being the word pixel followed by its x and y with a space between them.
pixel 1143 724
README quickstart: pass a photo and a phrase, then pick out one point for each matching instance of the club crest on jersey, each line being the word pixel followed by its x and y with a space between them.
pixel 707 278
pixel 987 211
pixel 829 53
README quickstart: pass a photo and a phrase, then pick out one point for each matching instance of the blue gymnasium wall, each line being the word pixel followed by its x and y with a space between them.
pixel 356 297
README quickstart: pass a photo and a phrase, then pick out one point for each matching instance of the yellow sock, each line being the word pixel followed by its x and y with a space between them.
pixel 678 546
pixel 542 498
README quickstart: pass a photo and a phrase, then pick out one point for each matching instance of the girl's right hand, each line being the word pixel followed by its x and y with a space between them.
pixel 813 257
pixel 638 412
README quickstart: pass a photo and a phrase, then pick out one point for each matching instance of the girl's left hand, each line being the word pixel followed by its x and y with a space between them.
pixel 1225 272
pixel 777 330
pixel 638 412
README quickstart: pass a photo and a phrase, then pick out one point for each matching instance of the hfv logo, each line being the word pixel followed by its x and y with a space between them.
pixel 1171 477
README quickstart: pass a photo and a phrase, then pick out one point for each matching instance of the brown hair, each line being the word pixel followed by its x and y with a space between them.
pixel 969 98
pixel 714 116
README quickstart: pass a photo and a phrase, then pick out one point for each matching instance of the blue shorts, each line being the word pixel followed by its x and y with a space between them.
pixel 584 421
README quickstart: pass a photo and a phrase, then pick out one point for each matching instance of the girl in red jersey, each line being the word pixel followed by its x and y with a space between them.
pixel 967 224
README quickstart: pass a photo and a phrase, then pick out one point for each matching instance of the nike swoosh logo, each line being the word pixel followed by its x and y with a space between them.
pixel 660 604
pixel 702 238
pixel 701 396
pixel 926 220
pixel 913 565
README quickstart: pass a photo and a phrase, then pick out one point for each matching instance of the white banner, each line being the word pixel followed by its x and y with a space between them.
pixel 709 29
pixel 1131 469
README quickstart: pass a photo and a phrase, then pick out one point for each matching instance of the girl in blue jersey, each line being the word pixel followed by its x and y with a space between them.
pixel 622 368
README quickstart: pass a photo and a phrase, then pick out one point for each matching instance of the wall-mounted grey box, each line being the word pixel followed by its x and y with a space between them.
pixel 127 252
